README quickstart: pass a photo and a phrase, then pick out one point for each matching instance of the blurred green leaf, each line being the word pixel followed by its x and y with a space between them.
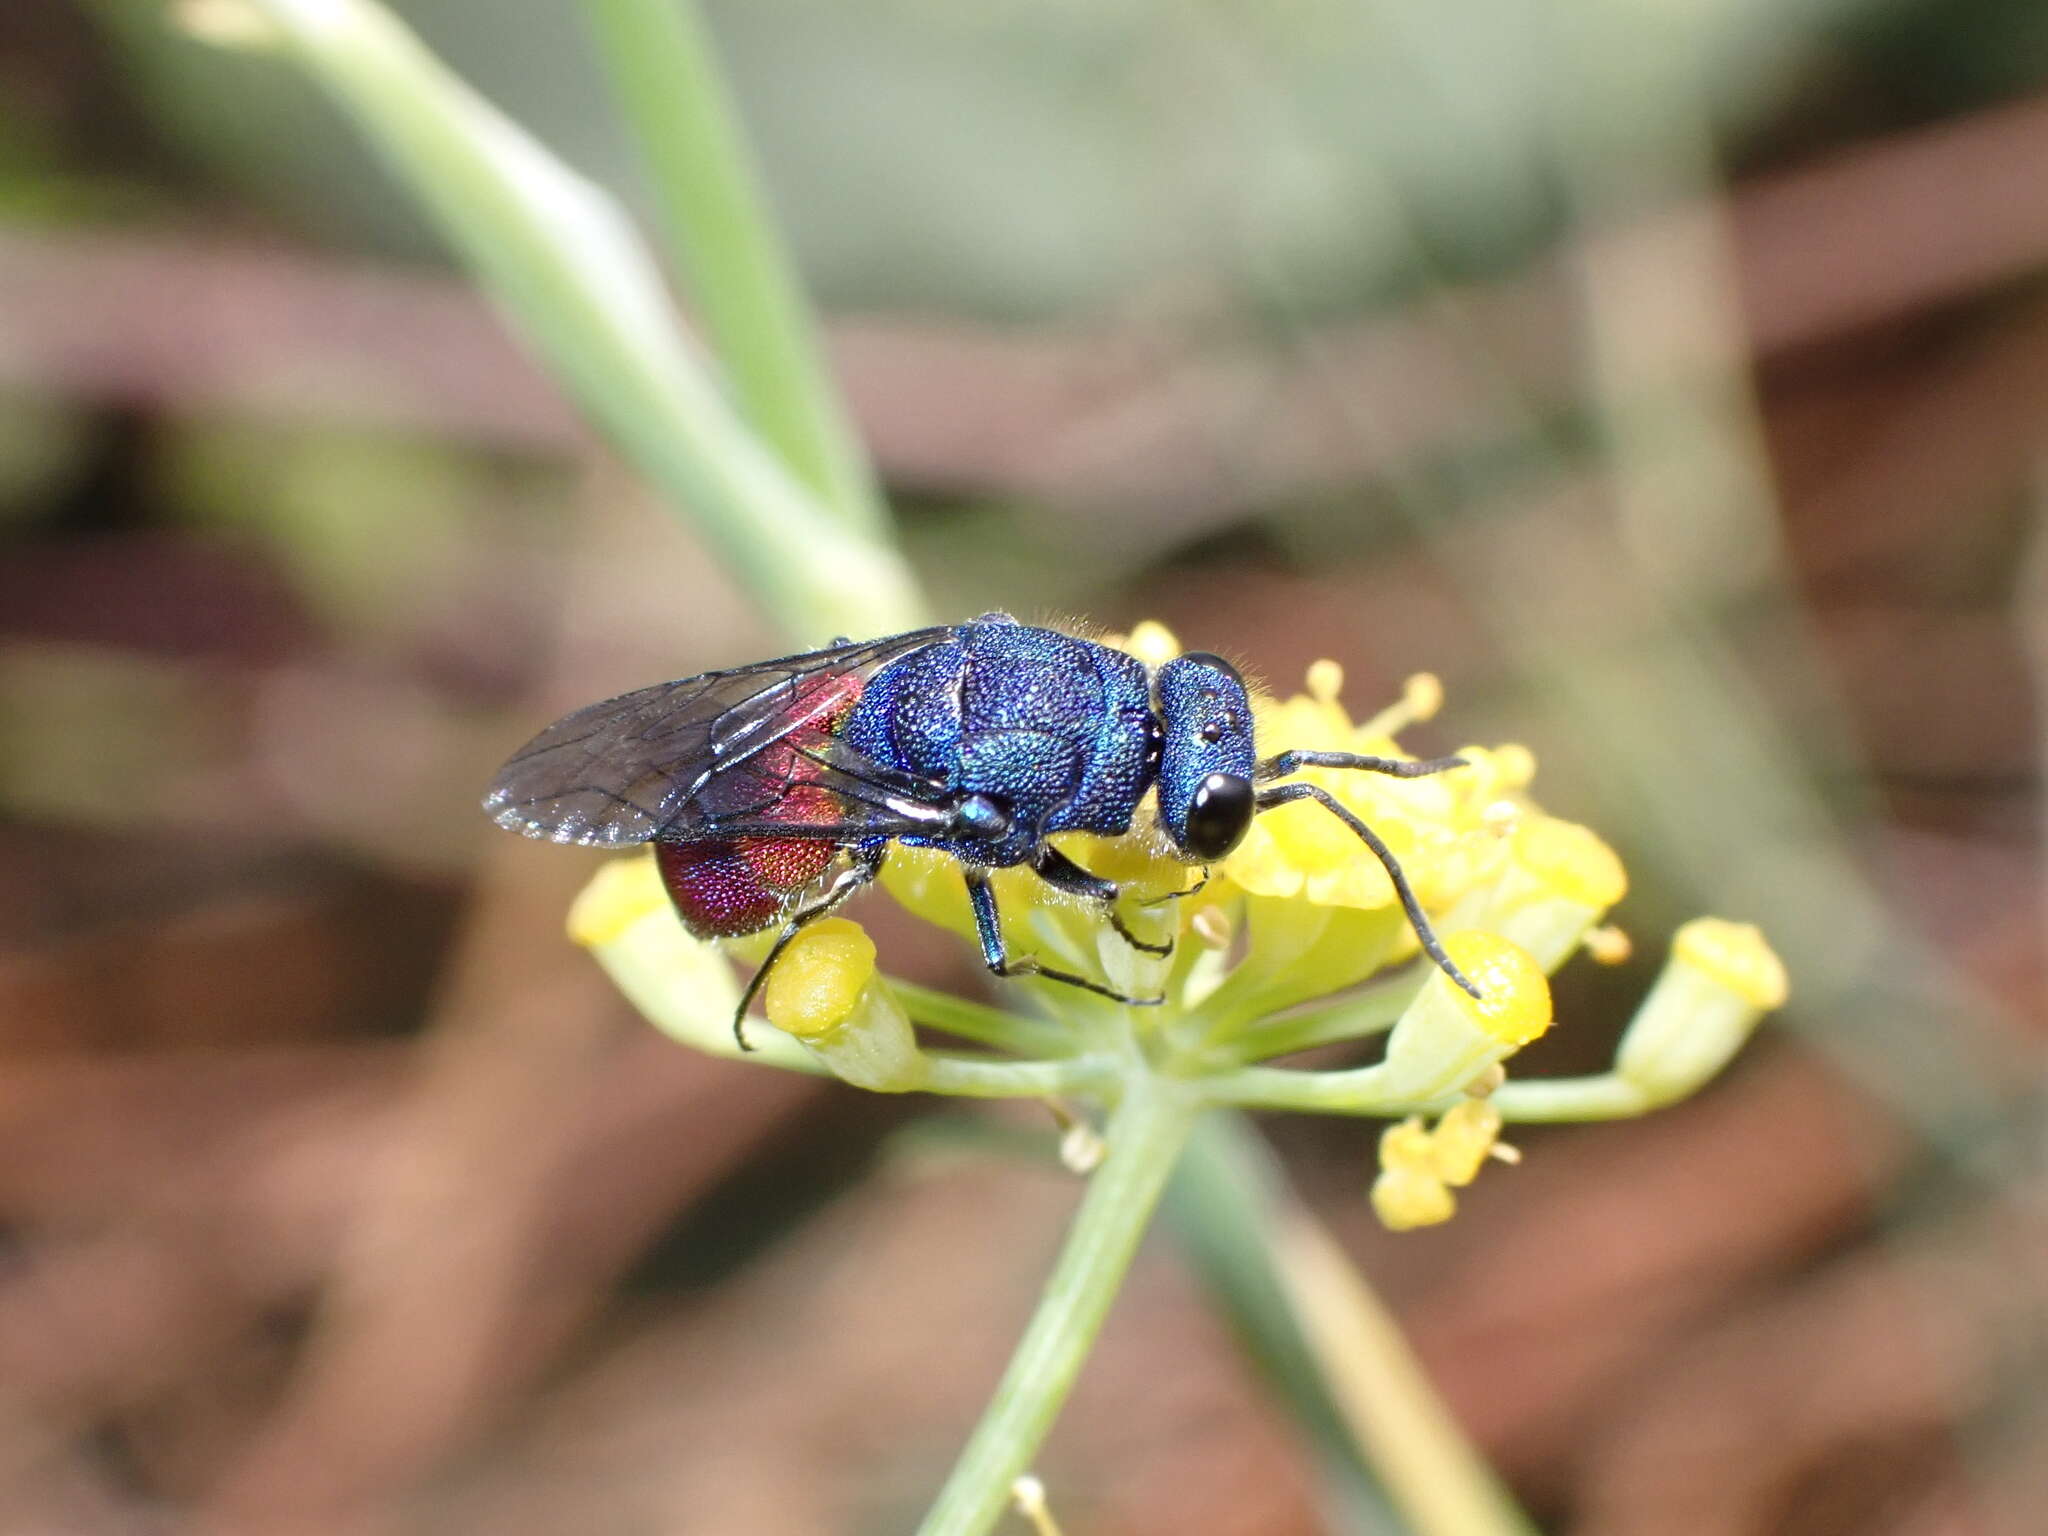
pixel 1218 1206
pixel 570 272
pixel 671 90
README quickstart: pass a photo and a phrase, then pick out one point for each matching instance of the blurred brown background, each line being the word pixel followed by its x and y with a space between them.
pixel 1675 386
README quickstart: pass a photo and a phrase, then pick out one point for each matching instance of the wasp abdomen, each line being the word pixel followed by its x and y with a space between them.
pixel 725 887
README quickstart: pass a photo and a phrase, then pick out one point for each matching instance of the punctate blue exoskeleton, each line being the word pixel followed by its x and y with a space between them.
pixel 772 792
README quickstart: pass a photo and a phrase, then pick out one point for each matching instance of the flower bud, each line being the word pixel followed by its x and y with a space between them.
pixel 621 893
pixel 1570 862
pixel 682 984
pixel 824 991
pixel 1561 881
pixel 1447 1037
pixel 1722 978
pixel 1028 1494
pixel 926 883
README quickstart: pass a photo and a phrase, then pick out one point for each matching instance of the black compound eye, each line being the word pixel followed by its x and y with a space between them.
pixel 1219 815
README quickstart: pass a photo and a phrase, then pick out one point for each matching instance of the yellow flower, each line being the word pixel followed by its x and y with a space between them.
pixel 1409 1192
pixel 1301 910
pixel 824 992
pixel 1420 1166
pixel 1437 826
pixel 1447 1038
pixel 1721 979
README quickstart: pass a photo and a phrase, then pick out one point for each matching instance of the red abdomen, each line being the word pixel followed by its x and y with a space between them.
pixel 724 887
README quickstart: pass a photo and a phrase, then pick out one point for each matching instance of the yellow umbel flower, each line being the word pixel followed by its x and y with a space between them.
pixel 1299 913
pixel 1438 827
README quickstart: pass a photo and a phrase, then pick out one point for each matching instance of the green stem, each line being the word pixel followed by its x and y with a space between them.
pixel 983 1077
pixel 1352 1018
pixel 1360 1091
pixel 665 70
pixel 565 266
pixel 1431 1469
pixel 1606 1097
pixel 1145 1137
pixel 1220 1206
pixel 982 1024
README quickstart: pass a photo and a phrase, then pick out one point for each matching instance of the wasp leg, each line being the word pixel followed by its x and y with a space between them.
pixel 988 927
pixel 867 863
pixel 1063 874
pixel 1282 764
pixel 1426 935
pixel 1160 901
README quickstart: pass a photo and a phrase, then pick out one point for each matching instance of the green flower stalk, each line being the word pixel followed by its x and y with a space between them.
pixel 1296 939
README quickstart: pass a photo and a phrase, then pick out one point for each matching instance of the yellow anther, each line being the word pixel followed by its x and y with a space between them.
pixel 1152 643
pixel 1325 680
pixel 1407 1198
pixel 1737 956
pixel 1407 1145
pixel 617 897
pixel 1571 860
pixel 1212 927
pixel 1514 1002
pixel 819 978
pixel 1609 945
pixel 1505 1152
pixel 1515 764
pixel 1462 1140
pixel 1422 696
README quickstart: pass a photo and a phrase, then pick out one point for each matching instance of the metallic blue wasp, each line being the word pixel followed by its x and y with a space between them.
pixel 979 739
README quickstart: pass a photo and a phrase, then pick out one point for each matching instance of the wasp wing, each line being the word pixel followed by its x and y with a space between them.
pixel 748 751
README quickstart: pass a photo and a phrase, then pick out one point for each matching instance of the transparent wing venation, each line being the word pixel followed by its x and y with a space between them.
pixel 727 753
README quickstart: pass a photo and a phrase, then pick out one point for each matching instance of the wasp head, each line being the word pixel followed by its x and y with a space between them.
pixel 1205 755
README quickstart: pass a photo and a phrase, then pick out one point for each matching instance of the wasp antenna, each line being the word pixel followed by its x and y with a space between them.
pixel 1425 935
pixel 1282 764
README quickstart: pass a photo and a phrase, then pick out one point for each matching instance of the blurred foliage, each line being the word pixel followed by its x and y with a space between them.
pixel 372 531
pixel 1220 182
pixel 1027 160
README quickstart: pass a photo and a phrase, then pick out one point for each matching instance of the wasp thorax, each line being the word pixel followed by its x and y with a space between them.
pixel 982 816
pixel 1205 755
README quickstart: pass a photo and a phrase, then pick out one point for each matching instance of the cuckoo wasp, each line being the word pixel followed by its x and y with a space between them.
pixel 772 792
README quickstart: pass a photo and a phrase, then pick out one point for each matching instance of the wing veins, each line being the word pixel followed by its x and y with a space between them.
pixel 639 767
